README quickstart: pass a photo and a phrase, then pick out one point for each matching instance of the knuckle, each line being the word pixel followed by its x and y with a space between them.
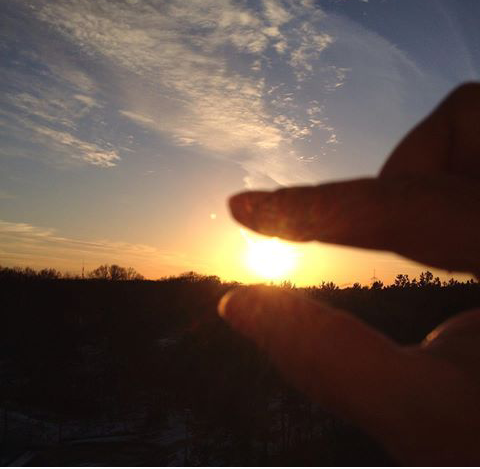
pixel 401 202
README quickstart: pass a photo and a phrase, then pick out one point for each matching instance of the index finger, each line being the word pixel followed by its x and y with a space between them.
pixel 427 219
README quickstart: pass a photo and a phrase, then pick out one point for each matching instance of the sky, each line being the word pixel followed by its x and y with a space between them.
pixel 125 125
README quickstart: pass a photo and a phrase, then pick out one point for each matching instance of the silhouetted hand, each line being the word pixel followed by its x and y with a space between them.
pixel 421 402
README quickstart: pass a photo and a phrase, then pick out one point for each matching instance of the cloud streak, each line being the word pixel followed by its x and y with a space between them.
pixel 60 142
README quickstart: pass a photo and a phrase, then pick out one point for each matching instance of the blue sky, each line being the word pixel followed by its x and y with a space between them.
pixel 126 124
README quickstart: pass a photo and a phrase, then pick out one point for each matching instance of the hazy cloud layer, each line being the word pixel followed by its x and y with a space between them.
pixel 23 243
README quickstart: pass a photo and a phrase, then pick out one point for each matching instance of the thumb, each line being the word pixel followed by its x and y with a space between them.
pixel 359 374
pixel 332 357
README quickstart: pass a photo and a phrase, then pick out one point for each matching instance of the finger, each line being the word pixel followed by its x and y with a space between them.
pixel 400 215
pixel 446 141
pixel 352 370
pixel 334 358
pixel 457 340
pixel 336 212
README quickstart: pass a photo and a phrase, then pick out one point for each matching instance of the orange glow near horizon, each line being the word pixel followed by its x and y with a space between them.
pixel 216 245
pixel 270 258
pixel 244 256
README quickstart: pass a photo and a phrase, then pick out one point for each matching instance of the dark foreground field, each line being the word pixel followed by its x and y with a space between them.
pixel 98 372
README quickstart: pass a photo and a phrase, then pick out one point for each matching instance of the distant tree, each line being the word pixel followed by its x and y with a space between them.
pixel 402 281
pixel 115 272
pixel 49 274
pixel 452 283
pixel 132 274
pixel 287 285
pixel 194 277
pixel 328 286
pixel 213 279
pixel 189 277
pixel 377 285
pixel 101 272
pixel 29 272
pixel 426 278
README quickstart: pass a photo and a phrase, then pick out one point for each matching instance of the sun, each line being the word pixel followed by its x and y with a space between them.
pixel 270 258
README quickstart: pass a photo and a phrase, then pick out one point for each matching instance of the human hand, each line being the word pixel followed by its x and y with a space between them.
pixel 421 402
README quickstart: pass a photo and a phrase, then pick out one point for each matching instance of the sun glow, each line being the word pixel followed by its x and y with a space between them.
pixel 270 258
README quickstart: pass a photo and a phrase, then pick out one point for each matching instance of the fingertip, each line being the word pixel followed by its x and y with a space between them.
pixel 254 310
pixel 242 206
pixel 239 205
pixel 235 202
pixel 240 301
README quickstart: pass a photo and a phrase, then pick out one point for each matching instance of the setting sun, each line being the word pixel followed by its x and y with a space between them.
pixel 270 258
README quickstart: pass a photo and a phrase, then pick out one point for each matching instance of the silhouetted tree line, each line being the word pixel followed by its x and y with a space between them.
pixel 72 347
pixel 102 272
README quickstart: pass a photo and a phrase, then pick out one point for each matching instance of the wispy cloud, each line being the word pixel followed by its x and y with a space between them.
pixel 139 119
pixel 89 152
pixel 60 142
pixel 185 50
pixel 49 109
pixel 233 79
